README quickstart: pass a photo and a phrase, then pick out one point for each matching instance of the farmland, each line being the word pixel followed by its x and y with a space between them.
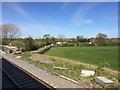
pixel 92 55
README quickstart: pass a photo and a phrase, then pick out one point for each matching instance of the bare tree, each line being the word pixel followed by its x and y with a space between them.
pixel 10 31
pixel 4 29
pixel 61 37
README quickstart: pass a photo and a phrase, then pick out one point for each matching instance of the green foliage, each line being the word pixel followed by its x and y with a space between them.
pixel 101 68
pixel 46 36
pixel 101 35
pixel 48 39
pixel 66 45
pixel 5 41
pixel 29 44
pixel 80 39
pixel 18 43
pixel 26 55
pixel 101 39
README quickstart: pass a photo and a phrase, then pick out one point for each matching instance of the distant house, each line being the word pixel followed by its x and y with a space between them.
pixel 90 42
pixel 64 42
pixel 58 43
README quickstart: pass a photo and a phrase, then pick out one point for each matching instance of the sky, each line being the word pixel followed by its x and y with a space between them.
pixel 68 18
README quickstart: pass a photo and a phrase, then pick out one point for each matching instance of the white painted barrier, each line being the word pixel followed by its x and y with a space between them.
pixel 103 81
pixel 87 73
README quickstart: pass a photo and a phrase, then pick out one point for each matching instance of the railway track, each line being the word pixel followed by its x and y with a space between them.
pixel 7 81
pixel 13 77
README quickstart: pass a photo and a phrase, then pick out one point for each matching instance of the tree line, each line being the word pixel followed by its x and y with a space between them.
pixel 11 32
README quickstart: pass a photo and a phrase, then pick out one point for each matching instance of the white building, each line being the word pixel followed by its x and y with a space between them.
pixel 58 43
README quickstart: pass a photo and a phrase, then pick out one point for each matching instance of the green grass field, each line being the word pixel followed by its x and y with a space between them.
pixel 91 55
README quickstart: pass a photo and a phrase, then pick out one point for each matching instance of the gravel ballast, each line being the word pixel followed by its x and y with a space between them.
pixel 46 76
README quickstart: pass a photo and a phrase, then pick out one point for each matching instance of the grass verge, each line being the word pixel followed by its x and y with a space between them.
pixel 72 71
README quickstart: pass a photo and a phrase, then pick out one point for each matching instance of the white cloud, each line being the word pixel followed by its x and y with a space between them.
pixel 79 16
pixel 18 9
pixel 88 21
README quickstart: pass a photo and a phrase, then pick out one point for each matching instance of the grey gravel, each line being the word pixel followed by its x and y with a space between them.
pixel 48 77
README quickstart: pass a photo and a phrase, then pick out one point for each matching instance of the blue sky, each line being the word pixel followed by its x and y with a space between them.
pixel 67 18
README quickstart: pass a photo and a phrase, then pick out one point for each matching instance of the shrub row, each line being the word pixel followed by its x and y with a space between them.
pixel 44 49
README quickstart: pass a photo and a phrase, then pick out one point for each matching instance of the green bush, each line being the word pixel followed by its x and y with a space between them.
pixel 17 43
pixel 66 45
pixel 29 44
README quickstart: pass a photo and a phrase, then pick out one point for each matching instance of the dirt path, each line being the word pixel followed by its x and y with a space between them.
pixel 40 58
